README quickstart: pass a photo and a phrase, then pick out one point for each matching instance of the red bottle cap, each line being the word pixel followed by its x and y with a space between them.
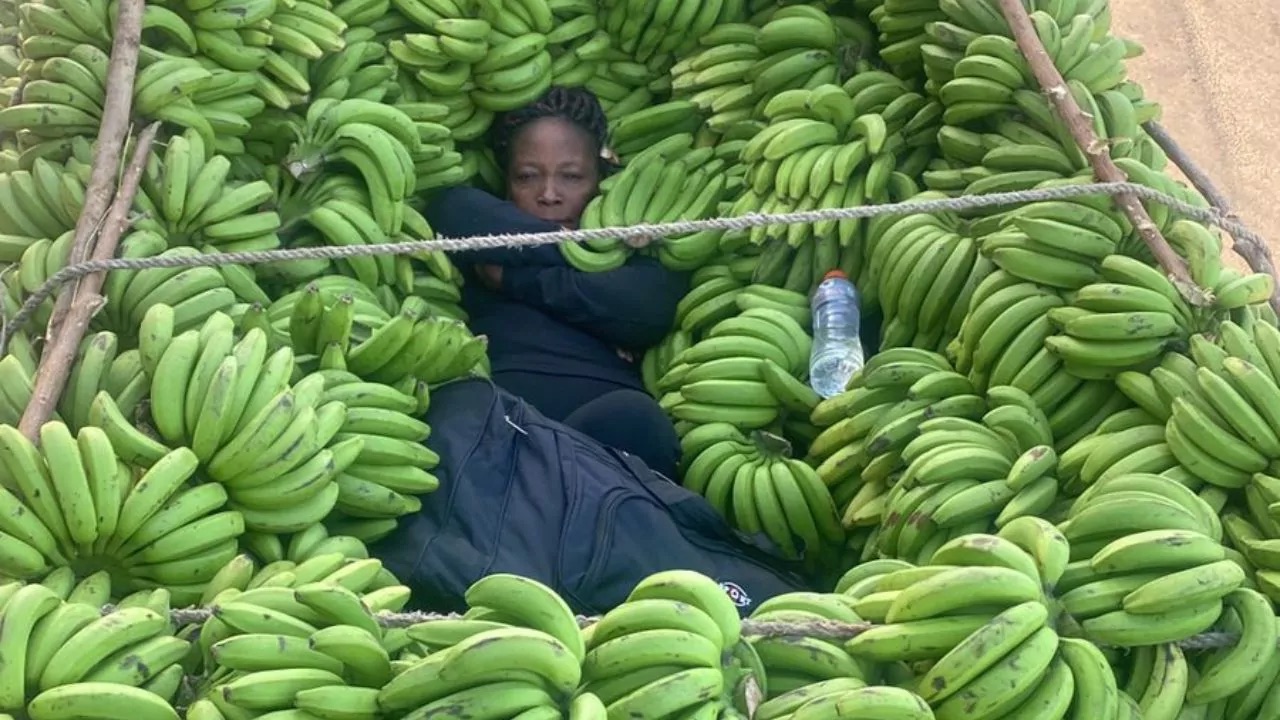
pixel 837 273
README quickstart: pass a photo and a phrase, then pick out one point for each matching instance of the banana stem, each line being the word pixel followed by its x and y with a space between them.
pixel 60 352
pixel 1053 85
pixel 1249 246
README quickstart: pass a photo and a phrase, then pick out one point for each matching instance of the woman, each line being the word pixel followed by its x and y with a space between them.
pixel 566 341
pixel 549 471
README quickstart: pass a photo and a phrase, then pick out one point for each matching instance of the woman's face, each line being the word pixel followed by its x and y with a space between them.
pixel 553 172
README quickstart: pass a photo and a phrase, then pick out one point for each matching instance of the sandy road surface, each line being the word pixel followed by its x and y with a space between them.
pixel 1215 67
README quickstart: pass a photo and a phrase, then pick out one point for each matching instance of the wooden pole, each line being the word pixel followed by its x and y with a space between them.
pixel 60 354
pixel 1053 85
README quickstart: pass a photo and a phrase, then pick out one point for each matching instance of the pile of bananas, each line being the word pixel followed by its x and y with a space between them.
pixel 744 362
pixel 1057 469
pixel 755 484
pixel 667 182
pixel 70 656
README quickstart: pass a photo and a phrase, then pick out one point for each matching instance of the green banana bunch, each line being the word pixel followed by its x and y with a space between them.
pixel 375 141
pixel 38 204
pixel 1006 339
pixel 968 475
pixel 830 146
pixel 17 384
pixel 391 466
pixel 977 610
pixel 655 126
pixel 63 650
pixel 652 34
pixel 82 503
pixel 664 649
pixel 793 663
pixel 100 366
pixel 1157 562
pixel 659 360
pixel 668 182
pixel 751 481
pixel 1219 418
pixel 921 271
pixel 305 637
pixel 745 367
pixel 846 697
pixel 896 396
pixel 188 194
pixel 190 295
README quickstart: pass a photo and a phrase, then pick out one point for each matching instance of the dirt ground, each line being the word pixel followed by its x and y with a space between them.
pixel 1215 67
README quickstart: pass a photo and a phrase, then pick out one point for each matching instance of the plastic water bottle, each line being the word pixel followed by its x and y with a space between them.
pixel 837 346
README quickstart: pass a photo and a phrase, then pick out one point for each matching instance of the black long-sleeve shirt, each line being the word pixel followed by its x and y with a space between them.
pixel 550 318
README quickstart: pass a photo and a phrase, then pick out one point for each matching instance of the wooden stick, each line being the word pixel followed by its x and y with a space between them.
pixel 1053 85
pixel 59 355
pixel 60 349
pixel 107 156
pixel 1251 247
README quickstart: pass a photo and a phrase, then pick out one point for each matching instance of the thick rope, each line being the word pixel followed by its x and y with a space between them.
pixel 655 230
pixel 818 629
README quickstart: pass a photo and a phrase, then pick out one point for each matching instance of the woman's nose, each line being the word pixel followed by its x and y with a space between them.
pixel 549 194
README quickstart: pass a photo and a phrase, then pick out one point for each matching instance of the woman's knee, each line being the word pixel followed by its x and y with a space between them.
pixel 632 421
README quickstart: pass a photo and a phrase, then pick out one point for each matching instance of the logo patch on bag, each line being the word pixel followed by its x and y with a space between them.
pixel 736 594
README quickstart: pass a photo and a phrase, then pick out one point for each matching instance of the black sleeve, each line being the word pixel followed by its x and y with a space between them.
pixel 632 307
pixel 466 211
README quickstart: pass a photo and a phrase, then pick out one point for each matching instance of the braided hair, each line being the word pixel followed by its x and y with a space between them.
pixel 576 105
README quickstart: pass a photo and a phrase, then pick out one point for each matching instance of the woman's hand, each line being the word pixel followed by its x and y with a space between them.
pixel 490 276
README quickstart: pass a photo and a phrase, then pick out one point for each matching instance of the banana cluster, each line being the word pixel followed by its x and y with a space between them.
pixel 38 206
pixel 665 183
pixel 1217 403
pixel 286 453
pixel 743 370
pixel 964 476
pixel 477 673
pixel 1151 503
pixel 716 297
pixel 192 295
pixel 663 651
pixel 1007 338
pixel 791 664
pixel 69 656
pixel 376 141
pixel 657 361
pixel 835 146
pixel 307 640
pixel 1189 563
pixel 921 271
pixel 754 484
pixel 1250 539
pixel 977 615
pixel 351 333
pixel 587 50
pixel 1130 441
pixel 17 384
pixel 100 366
pixel 866 429
pixel 845 697
pixel 82 503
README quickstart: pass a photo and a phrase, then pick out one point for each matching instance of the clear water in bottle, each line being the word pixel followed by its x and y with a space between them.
pixel 837 347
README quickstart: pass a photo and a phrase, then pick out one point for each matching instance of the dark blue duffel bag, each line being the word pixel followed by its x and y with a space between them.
pixel 523 494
